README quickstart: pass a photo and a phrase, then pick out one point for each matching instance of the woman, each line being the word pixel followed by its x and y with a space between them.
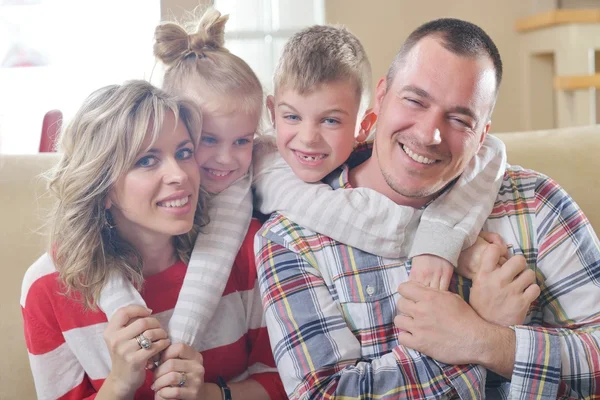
pixel 129 203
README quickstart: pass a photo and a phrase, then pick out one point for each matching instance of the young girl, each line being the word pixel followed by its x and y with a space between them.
pixel 128 205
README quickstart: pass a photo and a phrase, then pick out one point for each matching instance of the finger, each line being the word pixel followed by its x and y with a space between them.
pixel 405 306
pixel 153 335
pixel 406 339
pixel 493 238
pixel 173 365
pixel 139 326
pixel 525 279
pixel 180 350
pixel 142 356
pixel 404 323
pixel 532 293
pixel 122 316
pixel 412 290
pixel 490 257
pixel 172 378
pixel 502 260
pixel 512 268
pixel 175 393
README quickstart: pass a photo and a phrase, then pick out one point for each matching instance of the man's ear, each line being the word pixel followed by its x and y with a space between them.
pixel 380 92
pixel 366 125
pixel 271 108
pixel 486 129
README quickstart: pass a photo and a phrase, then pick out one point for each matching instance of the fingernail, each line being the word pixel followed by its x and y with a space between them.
pixel 149 310
pixel 153 387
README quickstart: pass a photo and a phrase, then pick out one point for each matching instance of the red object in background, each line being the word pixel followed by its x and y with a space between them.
pixel 50 129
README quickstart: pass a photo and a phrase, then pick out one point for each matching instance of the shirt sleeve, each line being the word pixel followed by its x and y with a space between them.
pixel 559 358
pixel 57 373
pixel 453 221
pixel 361 218
pixel 317 354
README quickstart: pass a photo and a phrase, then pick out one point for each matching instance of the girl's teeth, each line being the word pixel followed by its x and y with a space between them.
pixel 218 173
pixel 175 203
pixel 416 157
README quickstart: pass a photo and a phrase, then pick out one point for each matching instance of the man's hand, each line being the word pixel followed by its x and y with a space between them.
pixel 439 324
pixel 431 271
pixel 502 294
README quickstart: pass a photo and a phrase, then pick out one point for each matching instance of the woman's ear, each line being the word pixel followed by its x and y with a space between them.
pixel 366 125
pixel 271 108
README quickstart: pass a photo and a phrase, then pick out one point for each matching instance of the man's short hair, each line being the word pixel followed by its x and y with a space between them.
pixel 459 37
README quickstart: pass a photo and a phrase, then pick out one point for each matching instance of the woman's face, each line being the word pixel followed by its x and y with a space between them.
pixel 158 195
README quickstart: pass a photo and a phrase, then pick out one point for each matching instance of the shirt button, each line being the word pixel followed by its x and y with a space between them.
pixel 370 290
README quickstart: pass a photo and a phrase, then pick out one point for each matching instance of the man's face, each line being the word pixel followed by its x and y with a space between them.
pixel 432 119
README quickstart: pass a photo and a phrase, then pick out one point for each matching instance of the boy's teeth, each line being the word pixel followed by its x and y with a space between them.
pixel 416 157
pixel 175 203
pixel 312 158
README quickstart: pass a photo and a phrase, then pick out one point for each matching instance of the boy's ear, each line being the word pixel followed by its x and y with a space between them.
pixel 366 125
pixel 271 108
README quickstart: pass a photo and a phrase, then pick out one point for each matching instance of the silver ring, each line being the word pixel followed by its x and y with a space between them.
pixel 182 380
pixel 143 341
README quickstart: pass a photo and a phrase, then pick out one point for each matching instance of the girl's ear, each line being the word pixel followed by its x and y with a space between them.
pixel 366 125
pixel 271 108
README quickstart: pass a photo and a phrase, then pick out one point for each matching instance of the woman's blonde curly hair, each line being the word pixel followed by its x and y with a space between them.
pixel 99 145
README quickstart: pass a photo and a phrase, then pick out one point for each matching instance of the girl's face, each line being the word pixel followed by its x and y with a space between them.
pixel 225 151
pixel 158 196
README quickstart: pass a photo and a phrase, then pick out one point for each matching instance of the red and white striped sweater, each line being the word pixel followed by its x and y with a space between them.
pixel 68 355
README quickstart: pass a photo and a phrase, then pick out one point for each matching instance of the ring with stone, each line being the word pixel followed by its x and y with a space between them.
pixel 182 380
pixel 143 341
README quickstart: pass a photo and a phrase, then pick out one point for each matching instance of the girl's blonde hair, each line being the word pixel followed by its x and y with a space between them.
pixel 100 144
pixel 198 66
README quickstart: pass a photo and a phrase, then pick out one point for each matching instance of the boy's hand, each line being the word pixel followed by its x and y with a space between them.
pixel 470 259
pixel 431 271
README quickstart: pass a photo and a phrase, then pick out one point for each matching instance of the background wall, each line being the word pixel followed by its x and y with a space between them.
pixel 382 25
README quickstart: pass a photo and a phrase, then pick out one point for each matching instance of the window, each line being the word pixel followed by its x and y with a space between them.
pixel 53 53
pixel 258 29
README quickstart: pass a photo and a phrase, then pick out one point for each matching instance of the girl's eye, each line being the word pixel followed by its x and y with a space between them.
pixel 208 140
pixel 291 117
pixel 241 142
pixel 146 161
pixel 184 154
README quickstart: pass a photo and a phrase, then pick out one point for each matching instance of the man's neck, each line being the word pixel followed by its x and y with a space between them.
pixel 368 175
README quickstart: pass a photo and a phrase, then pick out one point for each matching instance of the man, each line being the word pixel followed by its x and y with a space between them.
pixel 330 307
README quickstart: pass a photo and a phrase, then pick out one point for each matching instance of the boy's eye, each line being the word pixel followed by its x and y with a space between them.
pixel 208 139
pixel 331 121
pixel 241 142
pixel 184 154
pixel 146 161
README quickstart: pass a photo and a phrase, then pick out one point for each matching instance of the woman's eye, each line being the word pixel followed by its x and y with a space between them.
pixel 184 154
pixel 146 161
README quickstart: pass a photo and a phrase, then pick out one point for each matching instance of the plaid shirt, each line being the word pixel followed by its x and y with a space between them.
pixel 330 308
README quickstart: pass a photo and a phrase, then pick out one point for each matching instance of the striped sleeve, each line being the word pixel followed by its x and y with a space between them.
pixel 453 221
pixel 561 358
pixel 317 354
pixel 45 342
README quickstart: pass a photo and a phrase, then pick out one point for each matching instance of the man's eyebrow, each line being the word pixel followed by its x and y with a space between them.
pixel 416 90
pixel 465 111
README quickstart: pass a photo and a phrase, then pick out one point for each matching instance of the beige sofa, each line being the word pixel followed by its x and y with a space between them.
pixel 569 156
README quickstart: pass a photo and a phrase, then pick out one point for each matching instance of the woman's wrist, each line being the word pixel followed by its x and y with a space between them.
pixel 211 391
pixel 114 388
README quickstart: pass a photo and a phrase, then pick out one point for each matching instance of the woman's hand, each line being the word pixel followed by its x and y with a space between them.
pixel 180 374
pixel 128 358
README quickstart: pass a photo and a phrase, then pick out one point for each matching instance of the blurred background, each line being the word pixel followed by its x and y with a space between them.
pixel 53 53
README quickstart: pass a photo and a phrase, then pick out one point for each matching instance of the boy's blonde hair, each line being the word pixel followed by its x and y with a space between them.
pixel 101 144
pixel 198 66
pixel 324 54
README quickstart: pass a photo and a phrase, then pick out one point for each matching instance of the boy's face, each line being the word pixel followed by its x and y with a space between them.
pixel 315 131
